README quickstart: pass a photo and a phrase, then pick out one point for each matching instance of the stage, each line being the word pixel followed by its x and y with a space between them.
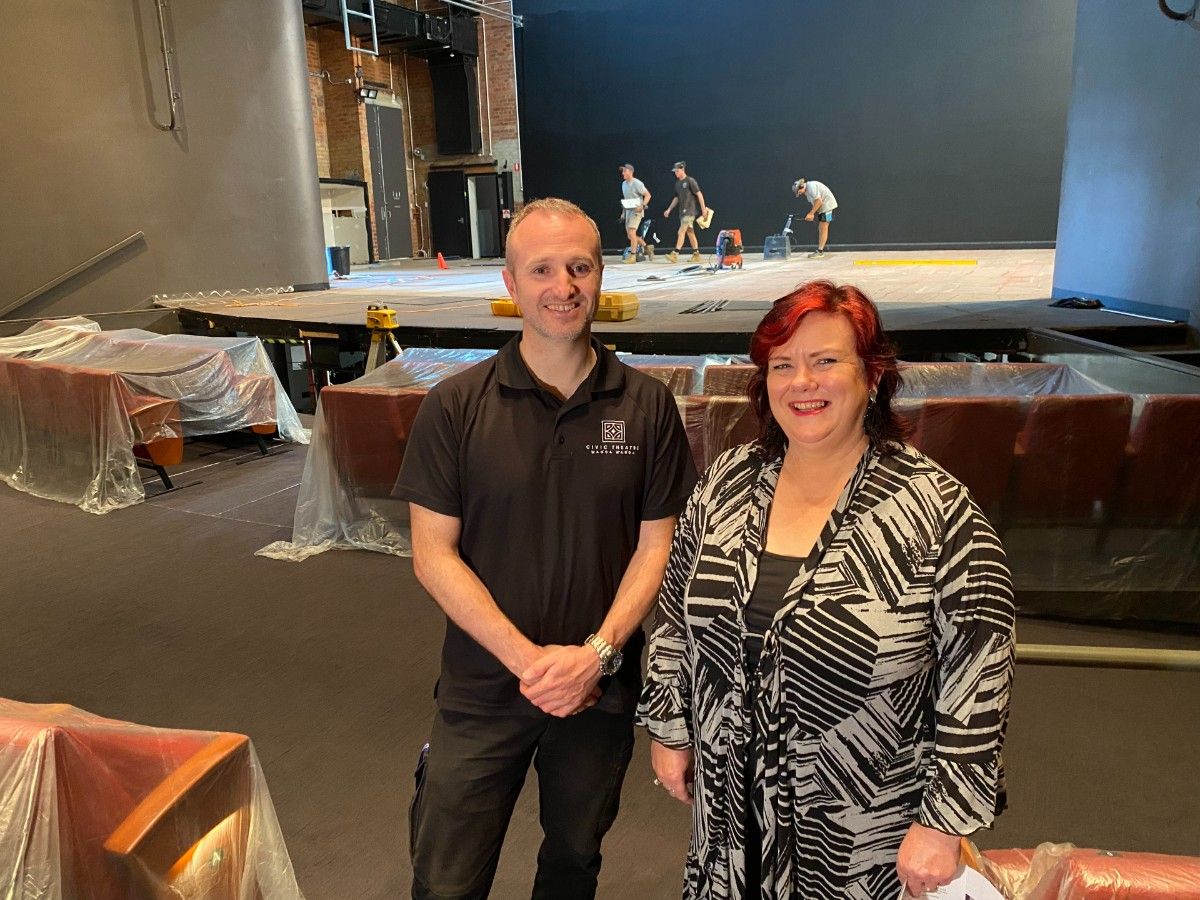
pixel 970 300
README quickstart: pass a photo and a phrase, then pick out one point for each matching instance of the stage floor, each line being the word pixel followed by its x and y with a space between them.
pixel 684 308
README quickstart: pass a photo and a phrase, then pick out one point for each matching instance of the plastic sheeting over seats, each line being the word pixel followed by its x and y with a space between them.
pixel 1066 872
pixel 77 405
pixel 97 809
pixel 360 435
pixel 1092 482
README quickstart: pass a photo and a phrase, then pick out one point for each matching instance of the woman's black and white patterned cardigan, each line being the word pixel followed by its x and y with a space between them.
pixel 882 689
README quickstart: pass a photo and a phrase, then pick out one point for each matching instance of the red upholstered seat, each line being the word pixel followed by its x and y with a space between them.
pixel 715 424
pixel 1161 480
pixel 727 381
pixel 71 410
pixel 680 379
pixel 1062 872
pixel 368 430
pixel 973 439
pixel 1068 456
pixel 256 394
pixel 128 803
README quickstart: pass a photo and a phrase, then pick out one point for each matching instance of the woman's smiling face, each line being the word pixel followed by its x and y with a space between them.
pixel 817 384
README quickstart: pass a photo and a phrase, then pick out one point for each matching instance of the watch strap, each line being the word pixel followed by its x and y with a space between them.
pixel 609 655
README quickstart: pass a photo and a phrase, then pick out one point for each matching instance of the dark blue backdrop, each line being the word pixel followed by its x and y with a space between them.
pixel 933 121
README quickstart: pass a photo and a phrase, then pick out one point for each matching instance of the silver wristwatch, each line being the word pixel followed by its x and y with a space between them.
pixel 610 656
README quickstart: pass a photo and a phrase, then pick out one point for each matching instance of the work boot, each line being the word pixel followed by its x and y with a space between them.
pixel 817 254
pixel 673 256
pixel 650 251
pixel 695 256
pixel 631 259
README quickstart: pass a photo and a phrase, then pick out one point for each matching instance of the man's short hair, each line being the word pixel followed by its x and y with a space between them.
pixel 549 205
pixel 628 166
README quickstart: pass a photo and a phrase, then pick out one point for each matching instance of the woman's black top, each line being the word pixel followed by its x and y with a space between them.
pixel 775 575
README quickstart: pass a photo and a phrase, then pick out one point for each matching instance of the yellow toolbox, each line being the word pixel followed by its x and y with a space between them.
pixel 614 306
pixel 503 306
pixel 617 306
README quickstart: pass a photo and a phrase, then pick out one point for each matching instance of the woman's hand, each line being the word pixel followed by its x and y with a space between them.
pixel 928 859
pixel 674 770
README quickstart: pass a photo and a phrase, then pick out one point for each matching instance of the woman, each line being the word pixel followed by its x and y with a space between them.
pixel 829 673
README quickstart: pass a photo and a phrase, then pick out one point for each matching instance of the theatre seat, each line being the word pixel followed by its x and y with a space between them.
pixel 715 424
pixel 1068 455
pixel 1160 483
pixel 73 437
pixel 679 379
pixel 727 381
pixel 973 439
pixel 189 834
pixel 256 395
pixel 975 379
pixel 107 810
pixel 1063 872
pixel 368 430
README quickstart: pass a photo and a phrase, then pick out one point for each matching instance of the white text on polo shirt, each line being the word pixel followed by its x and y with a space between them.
pixel 612 441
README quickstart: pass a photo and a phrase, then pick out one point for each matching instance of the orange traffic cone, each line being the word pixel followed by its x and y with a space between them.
pixel 442 262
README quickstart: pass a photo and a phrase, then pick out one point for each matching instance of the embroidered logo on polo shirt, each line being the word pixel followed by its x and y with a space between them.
pixel 612 441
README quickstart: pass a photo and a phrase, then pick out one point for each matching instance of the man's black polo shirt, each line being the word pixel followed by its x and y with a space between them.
pixel 551 495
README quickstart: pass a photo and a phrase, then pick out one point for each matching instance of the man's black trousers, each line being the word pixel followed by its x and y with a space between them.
pixel 470 781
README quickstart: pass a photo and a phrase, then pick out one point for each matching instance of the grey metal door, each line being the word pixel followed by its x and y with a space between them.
pixel 389 181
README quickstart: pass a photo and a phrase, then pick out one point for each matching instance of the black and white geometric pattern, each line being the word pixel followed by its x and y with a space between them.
pixel 882 688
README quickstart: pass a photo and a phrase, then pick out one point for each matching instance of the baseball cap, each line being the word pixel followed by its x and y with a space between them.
pixel 679 165
pixel 796 184
pixel 628 166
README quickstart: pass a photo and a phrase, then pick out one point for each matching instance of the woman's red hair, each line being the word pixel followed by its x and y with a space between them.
pixel 884 428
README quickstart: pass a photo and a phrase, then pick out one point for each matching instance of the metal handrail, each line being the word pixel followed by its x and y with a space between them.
pixel 167 52
pixel 1108 657
pixel 71 273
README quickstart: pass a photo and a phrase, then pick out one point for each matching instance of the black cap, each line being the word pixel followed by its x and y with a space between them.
pixel 679 165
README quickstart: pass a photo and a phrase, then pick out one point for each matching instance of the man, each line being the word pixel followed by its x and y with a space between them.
pixel 823 204
pixel 543 486
pixel 689 199
pixel 633 189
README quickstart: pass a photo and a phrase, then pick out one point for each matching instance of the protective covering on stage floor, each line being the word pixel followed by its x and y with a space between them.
pixel 79 407
pixel 97 809
pixel 1090 471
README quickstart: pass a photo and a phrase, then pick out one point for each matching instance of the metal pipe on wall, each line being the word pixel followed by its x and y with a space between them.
pixel 72 272
pixel 482 9
pixel 487 87
pixel 1108 657
pixel 422 248
pixel 167 53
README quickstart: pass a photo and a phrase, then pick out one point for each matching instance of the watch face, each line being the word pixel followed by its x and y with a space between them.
pixel 614 664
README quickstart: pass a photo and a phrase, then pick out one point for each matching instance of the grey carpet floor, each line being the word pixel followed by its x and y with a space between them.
pixel 161 614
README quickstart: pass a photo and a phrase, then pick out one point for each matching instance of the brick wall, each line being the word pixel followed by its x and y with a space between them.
pixel 317 98
pixel 340 120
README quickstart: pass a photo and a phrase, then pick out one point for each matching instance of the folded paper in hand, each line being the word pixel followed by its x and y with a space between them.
pixel 968 884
